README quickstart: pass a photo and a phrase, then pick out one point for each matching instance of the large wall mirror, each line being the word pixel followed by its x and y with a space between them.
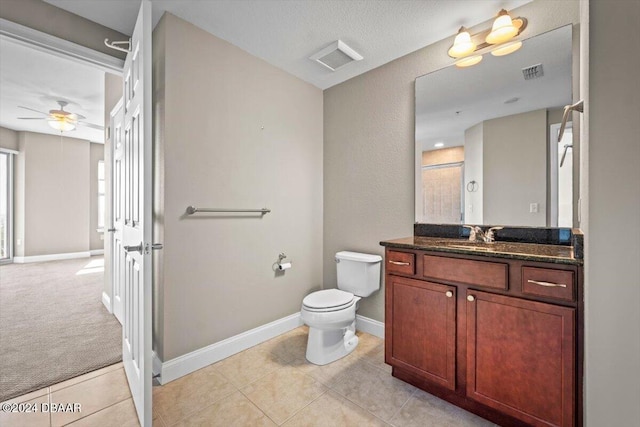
pixel 487 149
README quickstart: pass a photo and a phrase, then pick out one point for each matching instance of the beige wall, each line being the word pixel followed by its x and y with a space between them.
pixel 612 211
pixel 52 213
pixel 8 139
pixel 96 153
pixel 234 132
pixel 369 153
pixel 49 19
pixel 473 171
pixel 514 147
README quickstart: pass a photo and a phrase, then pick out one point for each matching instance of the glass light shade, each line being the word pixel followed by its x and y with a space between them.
pixel 61 125
pixel 506 49
pixel 503 29
pixel 469 61
pixel 462 45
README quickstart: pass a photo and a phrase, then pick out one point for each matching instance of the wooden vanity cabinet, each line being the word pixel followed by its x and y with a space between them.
pixel 428 352
pixel 507 349
pixel 521 357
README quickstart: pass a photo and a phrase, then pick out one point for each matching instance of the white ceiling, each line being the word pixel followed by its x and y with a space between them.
pixel 286 32
pixel 450 100
pixel 37 80
pixel 282 32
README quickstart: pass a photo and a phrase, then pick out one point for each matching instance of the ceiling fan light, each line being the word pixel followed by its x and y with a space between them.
pixel 469 61
pixel 61 125
pixel 506 49
pixel 502 30
pixel 462 44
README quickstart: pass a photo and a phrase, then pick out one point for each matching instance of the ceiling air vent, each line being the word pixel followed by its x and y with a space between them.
pixel 336 55
pixel 533 72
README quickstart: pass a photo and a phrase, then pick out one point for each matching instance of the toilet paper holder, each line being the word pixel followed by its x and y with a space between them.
pixel 279 265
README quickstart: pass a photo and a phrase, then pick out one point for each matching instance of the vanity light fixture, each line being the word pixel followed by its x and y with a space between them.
pixel 503 29
pixel 462 45
pixel 439 144
pixel 468 48
pixel 468 61
pixel 507 48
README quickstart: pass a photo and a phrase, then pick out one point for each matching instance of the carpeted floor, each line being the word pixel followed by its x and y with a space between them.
pixel 53 325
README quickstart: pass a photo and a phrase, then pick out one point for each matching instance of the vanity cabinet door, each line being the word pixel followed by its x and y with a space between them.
pixel 521 358
pixel 421 329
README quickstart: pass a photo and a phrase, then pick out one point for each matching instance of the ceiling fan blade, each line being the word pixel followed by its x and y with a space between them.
pixel 32 118
pixel 90 125
pixel 31 109
pixel 79 116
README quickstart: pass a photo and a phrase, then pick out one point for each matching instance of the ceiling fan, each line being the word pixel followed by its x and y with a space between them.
pixel 60 119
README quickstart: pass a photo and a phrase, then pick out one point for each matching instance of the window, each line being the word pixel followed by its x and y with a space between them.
pixel 101 196
pixel 6 208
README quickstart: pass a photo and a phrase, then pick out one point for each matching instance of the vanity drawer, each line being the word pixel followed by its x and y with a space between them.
pixel 401 262
pixel 547 282
pixel 480 273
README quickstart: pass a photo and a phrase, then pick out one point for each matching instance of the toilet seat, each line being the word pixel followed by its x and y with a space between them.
pixel 328 300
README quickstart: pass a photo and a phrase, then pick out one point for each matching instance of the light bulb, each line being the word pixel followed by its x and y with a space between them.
pixel 503 29
pixel 462 45
pixel 61 125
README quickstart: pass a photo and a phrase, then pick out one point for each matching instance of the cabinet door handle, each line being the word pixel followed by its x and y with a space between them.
pixel 449 294
pixel 547 284
pixel 471 298
pixel 399 263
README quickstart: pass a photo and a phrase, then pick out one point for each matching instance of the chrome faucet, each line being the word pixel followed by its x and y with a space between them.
pixel 476 234
pixel 490 235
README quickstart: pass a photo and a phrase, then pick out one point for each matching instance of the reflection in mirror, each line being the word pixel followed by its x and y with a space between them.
pixel 487 150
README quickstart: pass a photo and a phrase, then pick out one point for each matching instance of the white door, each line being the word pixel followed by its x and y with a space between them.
pixel 117 190
pixel 136 226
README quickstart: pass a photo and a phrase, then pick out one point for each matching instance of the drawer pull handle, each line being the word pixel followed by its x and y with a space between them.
pixel 449 294
pixel 399 263
pixel 547 284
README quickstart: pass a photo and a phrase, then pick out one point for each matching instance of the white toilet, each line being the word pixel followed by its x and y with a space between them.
pixel 331 313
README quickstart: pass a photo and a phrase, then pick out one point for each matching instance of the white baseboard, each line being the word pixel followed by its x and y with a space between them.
pixel 50 257
pixel 370 326
pixel 94 252
pixel 198 359
pixel 106 300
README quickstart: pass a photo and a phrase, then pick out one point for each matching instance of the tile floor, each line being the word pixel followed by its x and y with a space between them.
pixel 267 385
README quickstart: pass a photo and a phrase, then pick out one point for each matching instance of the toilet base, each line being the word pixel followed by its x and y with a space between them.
pixel 326 346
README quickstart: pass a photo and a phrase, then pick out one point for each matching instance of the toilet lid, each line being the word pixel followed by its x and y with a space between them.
pixel 327 298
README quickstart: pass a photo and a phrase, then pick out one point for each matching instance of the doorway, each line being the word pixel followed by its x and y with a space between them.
pixel 6 206
pixel 561 176
pixel 53 324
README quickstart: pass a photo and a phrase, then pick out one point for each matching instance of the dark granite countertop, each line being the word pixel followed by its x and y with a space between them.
pixel 512 250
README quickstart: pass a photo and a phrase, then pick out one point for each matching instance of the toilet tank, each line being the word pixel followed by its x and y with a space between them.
pixel 358 273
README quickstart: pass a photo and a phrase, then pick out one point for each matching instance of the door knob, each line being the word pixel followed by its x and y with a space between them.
pixel 471 298
pixel 449 294
pixel 137 248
